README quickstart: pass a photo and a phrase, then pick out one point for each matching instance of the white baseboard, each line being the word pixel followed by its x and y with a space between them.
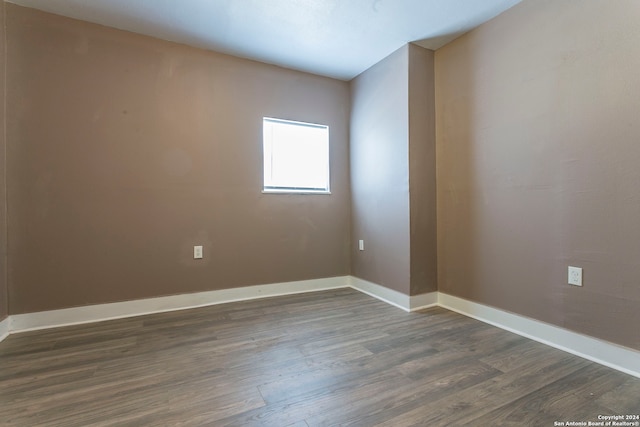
pixel 395 298
pixel 422 301
pixel 605 353
pixel 4 328
pixel 118 310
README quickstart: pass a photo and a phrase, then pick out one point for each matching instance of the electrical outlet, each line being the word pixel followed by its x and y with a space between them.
pixel 361 245
pixel 197 252
pixel 575 276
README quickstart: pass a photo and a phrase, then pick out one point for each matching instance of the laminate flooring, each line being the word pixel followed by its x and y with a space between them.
pixel 317 359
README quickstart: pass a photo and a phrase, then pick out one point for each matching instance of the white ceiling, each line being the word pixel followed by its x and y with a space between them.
pixel 335 38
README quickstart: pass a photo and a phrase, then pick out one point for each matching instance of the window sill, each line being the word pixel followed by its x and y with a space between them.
pixel 287 191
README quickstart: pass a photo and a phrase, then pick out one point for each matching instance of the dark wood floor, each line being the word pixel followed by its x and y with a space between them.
pixel 319 359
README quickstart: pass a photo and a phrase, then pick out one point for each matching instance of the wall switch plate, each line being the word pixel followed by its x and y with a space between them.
pixel 197 252
pixel 575 276
pixel 361 245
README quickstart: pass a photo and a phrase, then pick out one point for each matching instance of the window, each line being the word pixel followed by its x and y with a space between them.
pixel 296 157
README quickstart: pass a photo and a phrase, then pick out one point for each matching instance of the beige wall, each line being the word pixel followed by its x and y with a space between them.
pixel 126 151
pixel 538 164
pixel 393 172
pixel 4 306
pixel 422 170
pixel 380 173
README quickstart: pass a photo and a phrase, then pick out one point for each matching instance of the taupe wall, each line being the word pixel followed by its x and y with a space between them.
pixel 125 151
pixel 422 170
pixel 538 164
pixel 393 172
pixel 4 296
pixel 380 173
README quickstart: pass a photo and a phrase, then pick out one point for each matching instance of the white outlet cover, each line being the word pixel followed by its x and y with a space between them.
pixel 575 276
pixel 197 252
pixel 361 245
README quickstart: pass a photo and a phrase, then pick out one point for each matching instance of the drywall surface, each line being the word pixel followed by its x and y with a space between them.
pixel 125 151
pixel 393 188
pixel 379 153
pixel 422 170
pixel 4 301
pixel 537 145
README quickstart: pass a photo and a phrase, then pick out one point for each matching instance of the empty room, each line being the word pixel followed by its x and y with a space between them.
pixel 319 213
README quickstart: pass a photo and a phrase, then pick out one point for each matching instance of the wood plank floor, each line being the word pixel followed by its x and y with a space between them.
pixel 318 359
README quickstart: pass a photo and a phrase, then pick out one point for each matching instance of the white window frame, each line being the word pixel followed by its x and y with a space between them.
pixel 270 184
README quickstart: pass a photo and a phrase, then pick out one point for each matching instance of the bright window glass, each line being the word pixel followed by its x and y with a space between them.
pixel 296 156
